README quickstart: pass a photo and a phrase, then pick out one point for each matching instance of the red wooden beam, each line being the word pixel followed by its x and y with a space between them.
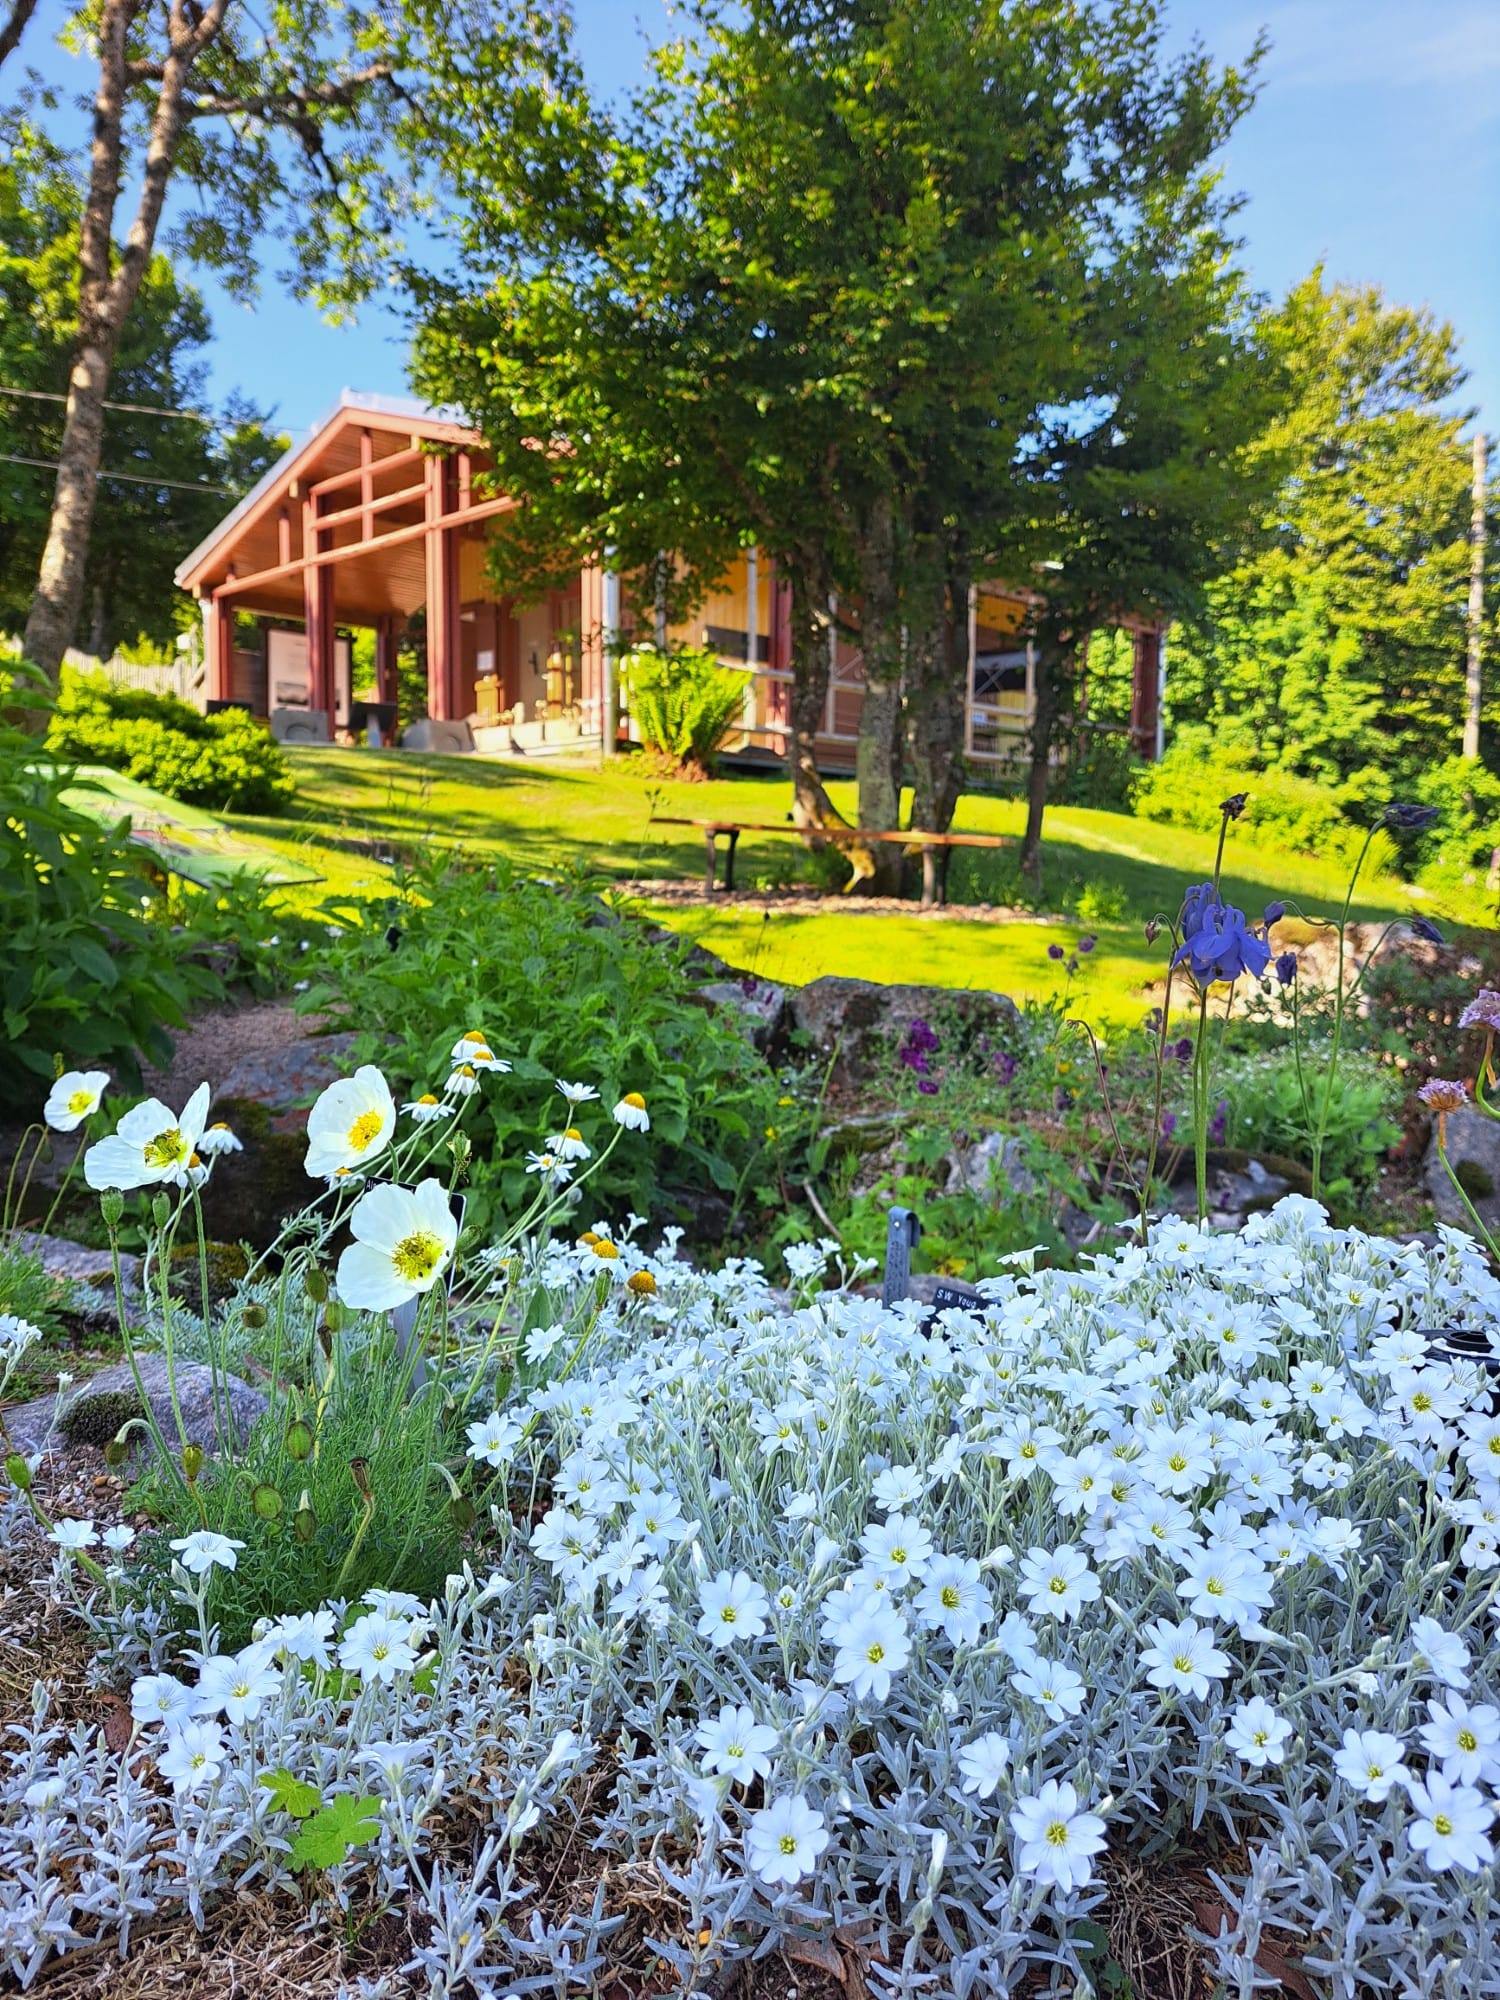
pixel 482 510
pixel 336 480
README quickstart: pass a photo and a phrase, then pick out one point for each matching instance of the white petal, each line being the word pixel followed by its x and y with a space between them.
pixel 369 1282
pixel 384 1215
pixel 195 1115
pixel 117 1163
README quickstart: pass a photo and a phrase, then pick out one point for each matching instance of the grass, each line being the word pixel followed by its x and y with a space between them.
pixel 1104 873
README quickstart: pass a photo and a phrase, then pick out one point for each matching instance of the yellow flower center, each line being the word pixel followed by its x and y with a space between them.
pixel 950 1597
pixel 81 1100
pixel 788 1843
pixel 167 1149
pixel 604 1248
pixel 417 1256
pixel 638 1103
pixel 1183 1664
pixel 729 1616
pixel 1443 1824
pixel 427 1098
pixel 1057 1833
pixel 365 1131
pixel 1467 1740
pixel 1057 1586
pixel 573 1133
pixel 642 1283
pixel 876 1654
pixel 476 1036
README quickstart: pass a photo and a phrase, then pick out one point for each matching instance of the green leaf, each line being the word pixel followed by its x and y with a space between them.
pixel 330 1835
pixel 290 1794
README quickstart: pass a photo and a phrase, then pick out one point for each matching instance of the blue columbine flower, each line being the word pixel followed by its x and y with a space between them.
pixel 1217 939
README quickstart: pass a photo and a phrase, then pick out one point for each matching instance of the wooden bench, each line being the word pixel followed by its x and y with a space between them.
pixel 934 881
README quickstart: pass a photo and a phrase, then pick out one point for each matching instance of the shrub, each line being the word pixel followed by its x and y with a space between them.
pixel 566 987
pixel 85 976
pixel 1188 786
pixel 684 703
pixel 226 762
pixel 1266 1113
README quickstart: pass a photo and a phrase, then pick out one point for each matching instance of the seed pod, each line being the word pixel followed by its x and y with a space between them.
pixel 325 1340
pixel 267 1502
pixel 115 1453
pixel 161 1211
pixel 111 1206
pixel 254 1315
pixel 192 1462
pixel 304 1522
pixel 17 1471
pixel 359 1472
pixel 299 1439
pixel 461 1513
pixel 315 1284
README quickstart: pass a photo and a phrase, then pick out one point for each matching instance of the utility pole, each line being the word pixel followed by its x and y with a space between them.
pixel 1474 686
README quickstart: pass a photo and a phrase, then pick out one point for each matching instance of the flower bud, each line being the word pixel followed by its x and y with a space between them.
pixel 161 1210
pixel 254 1315
pixel 461 1512
pixel 192 1462
pixel 115 1453
pixel 17 1471
pixel 111 1206
pixel 335 1316
pixel 299 1439
pixel 267 1503
pixel 304 1522
pixel 315 1284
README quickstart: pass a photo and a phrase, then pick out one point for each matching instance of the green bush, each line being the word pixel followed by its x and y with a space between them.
pixel 85 977
pixel 226 762
pixel 684 703
pixel 1265 1113
pixel 1187 787
pixel 565 987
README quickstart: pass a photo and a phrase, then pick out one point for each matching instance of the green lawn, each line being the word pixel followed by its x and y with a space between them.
pixel 1105 873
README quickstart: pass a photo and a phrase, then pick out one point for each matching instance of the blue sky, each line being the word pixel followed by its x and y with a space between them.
pixel 1374 148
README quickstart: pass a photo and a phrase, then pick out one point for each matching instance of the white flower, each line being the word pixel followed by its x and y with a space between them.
pixel 495 1439
pixel 1225 1583
pixel 427 1110
pixel 1452 1824
pixel 983 1763
pixel 953 1599
pixel 378 1648
pixel 1257 1734
pixel 237 1684
pixel 578 1093
pixel 873 1646
pixel 150 1147
pixel 403 1241
pixel 1370 1762
pixel 899 1486
pixel 217 1138
pixel 1052 1684
pixel 74 1097
pixel 1464 1740
pixel 1183 1657
pixel 350 1125
pixel 734 1607
pixel 542 1340
pixel 631 1112
pixel 194 1756
pixel 735 1744
pixel 118 1538
pixel 74 1534
pixel 1057 1583
pixel 162 1698
pixel 569 1145
pixel 782 1843
pixel 1055 1842
pixel 305 1635
pixel 897 1549
pixel 474 1049
pixel 1442 1653
pixel 462 1081
pixel 549 1166
pixel 201 1550
pixel 16 1335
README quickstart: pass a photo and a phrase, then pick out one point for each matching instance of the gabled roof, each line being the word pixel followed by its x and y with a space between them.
pixel 354 411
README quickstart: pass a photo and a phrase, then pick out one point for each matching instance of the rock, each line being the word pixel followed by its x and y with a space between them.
pixel 1474 1152
pixel 89 1272
pixel 760 1004
pixel 994 1165
pixel 284 1079
pixel 91 1412
pixel 867 1021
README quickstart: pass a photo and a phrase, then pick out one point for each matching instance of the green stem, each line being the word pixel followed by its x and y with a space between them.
pixel 1340 999
pixel 1200 1108
pixel 1475 1217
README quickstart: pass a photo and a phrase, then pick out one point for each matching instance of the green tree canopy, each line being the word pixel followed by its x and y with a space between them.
pixel 1335 648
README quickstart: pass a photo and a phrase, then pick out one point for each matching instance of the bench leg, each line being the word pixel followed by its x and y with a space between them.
pixel 944 858
pixel 929 875
pixel 711 873
pixel 732 842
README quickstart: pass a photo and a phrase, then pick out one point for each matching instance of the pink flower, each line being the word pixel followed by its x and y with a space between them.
pixel 1442 1096
pixel 1483 1011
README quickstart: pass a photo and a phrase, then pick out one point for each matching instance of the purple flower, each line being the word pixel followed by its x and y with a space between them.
pixel 1274 912
pixel 1086 945
pixel 919 1045
pixel 1443 1096
pixel 927 1087
pixel 1483 1011
pixel 1427 930
pixel 1168 1126
pixel 1217 940
pixel 1055 951
pixel 1410 819
pixel 1286 967
pixel 1006 1066
pixel 1183 1050
pixel 1220 1123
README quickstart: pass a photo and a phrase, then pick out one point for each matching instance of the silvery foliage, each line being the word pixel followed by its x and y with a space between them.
pixel 714 1428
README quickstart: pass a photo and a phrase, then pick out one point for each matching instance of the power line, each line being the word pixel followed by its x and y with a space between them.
pixel 134 478
pixel 135 409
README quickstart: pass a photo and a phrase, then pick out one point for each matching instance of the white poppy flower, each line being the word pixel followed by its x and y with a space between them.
pixel 151 1146
pixel 75 1097
pixel 403 1240
pixel 351 1124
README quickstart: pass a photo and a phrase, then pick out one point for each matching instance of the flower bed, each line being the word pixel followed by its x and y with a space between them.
pixel 839 1624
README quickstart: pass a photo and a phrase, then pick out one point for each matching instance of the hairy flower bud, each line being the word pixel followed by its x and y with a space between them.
pixel 304 1521
pixel 299 1439
pixel 115 1453
pixel 253 1315
pixel 161 1210
pixel 315 1284
pixel 111 1206
pixel 192 1462
pixel 461 1512
pixel 267 1503
pixel 17 1471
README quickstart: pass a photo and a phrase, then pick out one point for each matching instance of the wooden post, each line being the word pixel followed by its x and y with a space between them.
pixel 317 616
pixel 444 635
pixel 218 648
pixel 1145 692
pixel 1474 680
pixel 385 658
pixel 609 718
pixel 366 484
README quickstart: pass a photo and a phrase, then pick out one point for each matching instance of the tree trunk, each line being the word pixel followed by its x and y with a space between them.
pixel 1050 662
pixel 937 686
pixel 107 288
pixel 878 758
pixel 15 26
pixel 811 806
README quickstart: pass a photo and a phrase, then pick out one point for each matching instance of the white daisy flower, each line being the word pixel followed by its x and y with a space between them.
pixel 631 1112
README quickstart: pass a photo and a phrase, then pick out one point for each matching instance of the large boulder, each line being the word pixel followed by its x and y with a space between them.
pixel 867 1022
pixel 1474 1152
pixel 760 1005
pixel 91 1412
